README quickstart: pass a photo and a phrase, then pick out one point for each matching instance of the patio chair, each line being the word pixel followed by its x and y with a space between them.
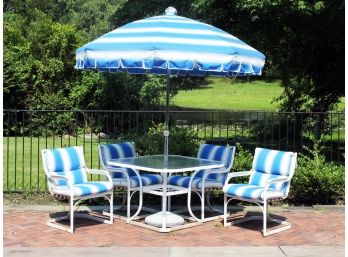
pixel 206 180
pixel 270 178
pixel 66 172
pixel 127 178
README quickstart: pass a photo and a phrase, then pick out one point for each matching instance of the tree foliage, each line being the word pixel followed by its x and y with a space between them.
pixel 302 39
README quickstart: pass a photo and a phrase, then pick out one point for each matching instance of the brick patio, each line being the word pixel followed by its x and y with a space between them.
pixel 311 227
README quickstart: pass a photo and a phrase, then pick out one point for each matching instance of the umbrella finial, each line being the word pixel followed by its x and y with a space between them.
pixel 170 11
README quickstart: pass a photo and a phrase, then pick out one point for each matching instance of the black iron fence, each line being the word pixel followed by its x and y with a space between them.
pixel 26 132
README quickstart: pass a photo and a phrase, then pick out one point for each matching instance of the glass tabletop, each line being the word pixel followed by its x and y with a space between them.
pixel 162 163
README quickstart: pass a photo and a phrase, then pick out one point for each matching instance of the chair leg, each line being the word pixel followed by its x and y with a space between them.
pixel 110 212
pixel 71 215
pixel 205 201
pixel 169 203
pixel 264 218
pixel 207 196
pixel 208 203
pixel 128 203
pixel 189 204
pixel 264 213
pixel 111 201
pixel 139 207
pixel 124 200
pixel 286 225
pixel 202 203
pixel 225 209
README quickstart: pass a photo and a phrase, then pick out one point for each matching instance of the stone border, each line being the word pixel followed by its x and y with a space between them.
pixel 275 209
pixel 249 251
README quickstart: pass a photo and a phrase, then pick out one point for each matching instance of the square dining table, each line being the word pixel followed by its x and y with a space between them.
pixel 165 221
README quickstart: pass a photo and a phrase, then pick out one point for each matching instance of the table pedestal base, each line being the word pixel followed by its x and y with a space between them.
pixel 171 219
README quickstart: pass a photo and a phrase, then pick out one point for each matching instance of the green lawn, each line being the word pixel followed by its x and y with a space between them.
pixel 22 164
pixel 228 94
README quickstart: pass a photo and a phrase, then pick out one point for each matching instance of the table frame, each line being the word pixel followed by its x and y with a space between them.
pixel 162 189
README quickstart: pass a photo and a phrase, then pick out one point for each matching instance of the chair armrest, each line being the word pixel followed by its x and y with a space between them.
pixel 276 180
pixel 59 177
pixel 125 172
pixel 279 179
pixel 52 178
pixel 216 171
pixel 207 173
pixel 115 169
pixel 100 172
pixel 237 174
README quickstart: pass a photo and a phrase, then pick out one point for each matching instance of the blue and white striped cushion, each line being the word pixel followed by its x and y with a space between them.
pixel 223 154
pixel 183 181
pixel 147 180
pixel 272 161
pixel 250 192
pixel 270 164
pixel 260 179
pixel 116 151
pixel 88 188
pixel 68 162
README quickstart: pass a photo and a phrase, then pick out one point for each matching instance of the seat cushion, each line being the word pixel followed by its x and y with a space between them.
pixel 251 192
pixel 115 171
pixel 84 189
pixel 224 154
pixel 116 151
pixel 146 179
pixel 261 179
pixel 183 181
pixel 67 162
pixel 272 161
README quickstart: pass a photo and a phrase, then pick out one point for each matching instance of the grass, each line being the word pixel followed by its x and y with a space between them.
pixel 22 164
pixel 228 94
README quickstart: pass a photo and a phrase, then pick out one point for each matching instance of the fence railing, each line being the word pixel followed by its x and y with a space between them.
pixel 26 132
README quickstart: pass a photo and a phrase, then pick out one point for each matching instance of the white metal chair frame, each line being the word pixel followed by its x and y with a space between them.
pixel 127 196
pixel 52 221
pixel 262 204
pixel 201 192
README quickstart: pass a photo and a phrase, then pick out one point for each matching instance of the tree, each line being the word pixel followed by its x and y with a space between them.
pixel 18 63
pixel 303 41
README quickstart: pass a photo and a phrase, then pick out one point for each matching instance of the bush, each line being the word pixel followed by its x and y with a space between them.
pixel 182 141
pixel 242 162
pixel 317 181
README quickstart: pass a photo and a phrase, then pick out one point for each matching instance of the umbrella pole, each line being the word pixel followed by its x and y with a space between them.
pixel 166 126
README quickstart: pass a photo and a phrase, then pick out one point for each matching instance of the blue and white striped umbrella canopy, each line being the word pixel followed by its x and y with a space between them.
pixel 170 44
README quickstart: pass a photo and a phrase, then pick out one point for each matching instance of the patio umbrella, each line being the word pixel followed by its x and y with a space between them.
pixel 170 45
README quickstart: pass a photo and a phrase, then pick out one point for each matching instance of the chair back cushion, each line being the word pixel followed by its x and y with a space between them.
pixel 116 151
pixel 224 154
pixel 68 162
pixel 271 164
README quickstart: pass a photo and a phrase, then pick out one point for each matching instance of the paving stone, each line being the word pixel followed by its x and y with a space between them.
pixel 23 228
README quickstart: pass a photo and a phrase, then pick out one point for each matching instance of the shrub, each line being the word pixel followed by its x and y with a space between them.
pixel 182 141
pixel 242 162
pixel 317 181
